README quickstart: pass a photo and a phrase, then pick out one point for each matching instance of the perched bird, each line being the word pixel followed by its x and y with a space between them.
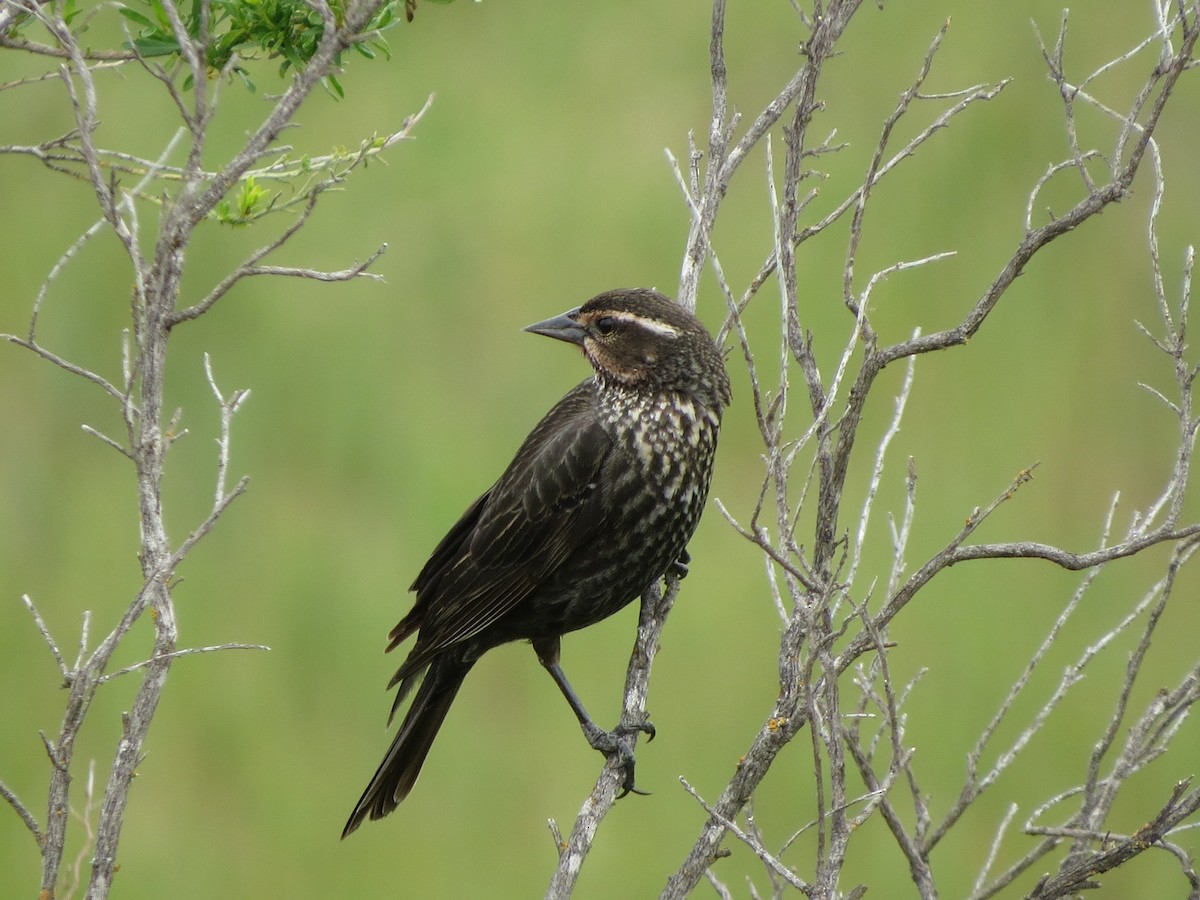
pixel 599 502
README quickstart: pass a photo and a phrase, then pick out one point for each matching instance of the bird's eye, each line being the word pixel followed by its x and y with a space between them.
pixel 606 325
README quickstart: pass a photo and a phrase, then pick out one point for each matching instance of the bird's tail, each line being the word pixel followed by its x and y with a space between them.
pixel 402 763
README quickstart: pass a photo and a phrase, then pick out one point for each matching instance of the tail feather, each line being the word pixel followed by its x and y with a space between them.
pixel 401 765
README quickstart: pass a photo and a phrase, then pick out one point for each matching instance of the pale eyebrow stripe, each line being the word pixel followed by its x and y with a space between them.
pixel 649 324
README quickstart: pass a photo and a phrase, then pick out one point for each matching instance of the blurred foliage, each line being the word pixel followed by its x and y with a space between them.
pixel 242 29
pixel 378 413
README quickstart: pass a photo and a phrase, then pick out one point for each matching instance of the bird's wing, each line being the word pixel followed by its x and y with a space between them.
pixel 511 539
pixel 540 506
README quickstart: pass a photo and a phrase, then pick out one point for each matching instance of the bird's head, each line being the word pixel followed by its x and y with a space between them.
pixel 640 340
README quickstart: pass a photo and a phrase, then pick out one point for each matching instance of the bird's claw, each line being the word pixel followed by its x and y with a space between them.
pixel 647 728
pixel 679 568
pixel 615 745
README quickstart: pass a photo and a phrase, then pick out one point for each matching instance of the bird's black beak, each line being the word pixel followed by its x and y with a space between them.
pixel 563 328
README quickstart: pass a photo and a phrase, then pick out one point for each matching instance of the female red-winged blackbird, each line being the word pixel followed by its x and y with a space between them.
pixel 599 502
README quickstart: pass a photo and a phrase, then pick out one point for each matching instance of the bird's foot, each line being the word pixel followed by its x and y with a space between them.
pixel 615 746
pixel 679 568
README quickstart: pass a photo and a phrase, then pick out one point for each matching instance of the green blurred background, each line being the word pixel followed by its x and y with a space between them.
pixel 378 411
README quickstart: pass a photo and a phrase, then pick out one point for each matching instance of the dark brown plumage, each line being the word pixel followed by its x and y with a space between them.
pixel 600 500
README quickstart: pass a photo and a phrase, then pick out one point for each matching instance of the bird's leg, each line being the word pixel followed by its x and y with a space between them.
pixel 679 568
pixel 611 743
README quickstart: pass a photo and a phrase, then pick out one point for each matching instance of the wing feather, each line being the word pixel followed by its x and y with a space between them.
pixel 510 540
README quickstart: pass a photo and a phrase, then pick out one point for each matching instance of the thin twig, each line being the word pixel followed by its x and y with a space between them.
pixel 47 637
pixel 772 863
pixel 176 654
pixel 22 812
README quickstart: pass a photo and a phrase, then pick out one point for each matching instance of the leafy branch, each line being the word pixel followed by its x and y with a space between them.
pixel 233 30
pixel 208 37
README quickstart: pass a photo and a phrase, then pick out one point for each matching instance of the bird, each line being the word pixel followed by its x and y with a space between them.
pixel 598 504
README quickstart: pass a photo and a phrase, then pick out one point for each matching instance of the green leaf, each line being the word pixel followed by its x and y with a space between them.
pixel 134 16
pixel 245 76
pixel 154 46
pixel 334 87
